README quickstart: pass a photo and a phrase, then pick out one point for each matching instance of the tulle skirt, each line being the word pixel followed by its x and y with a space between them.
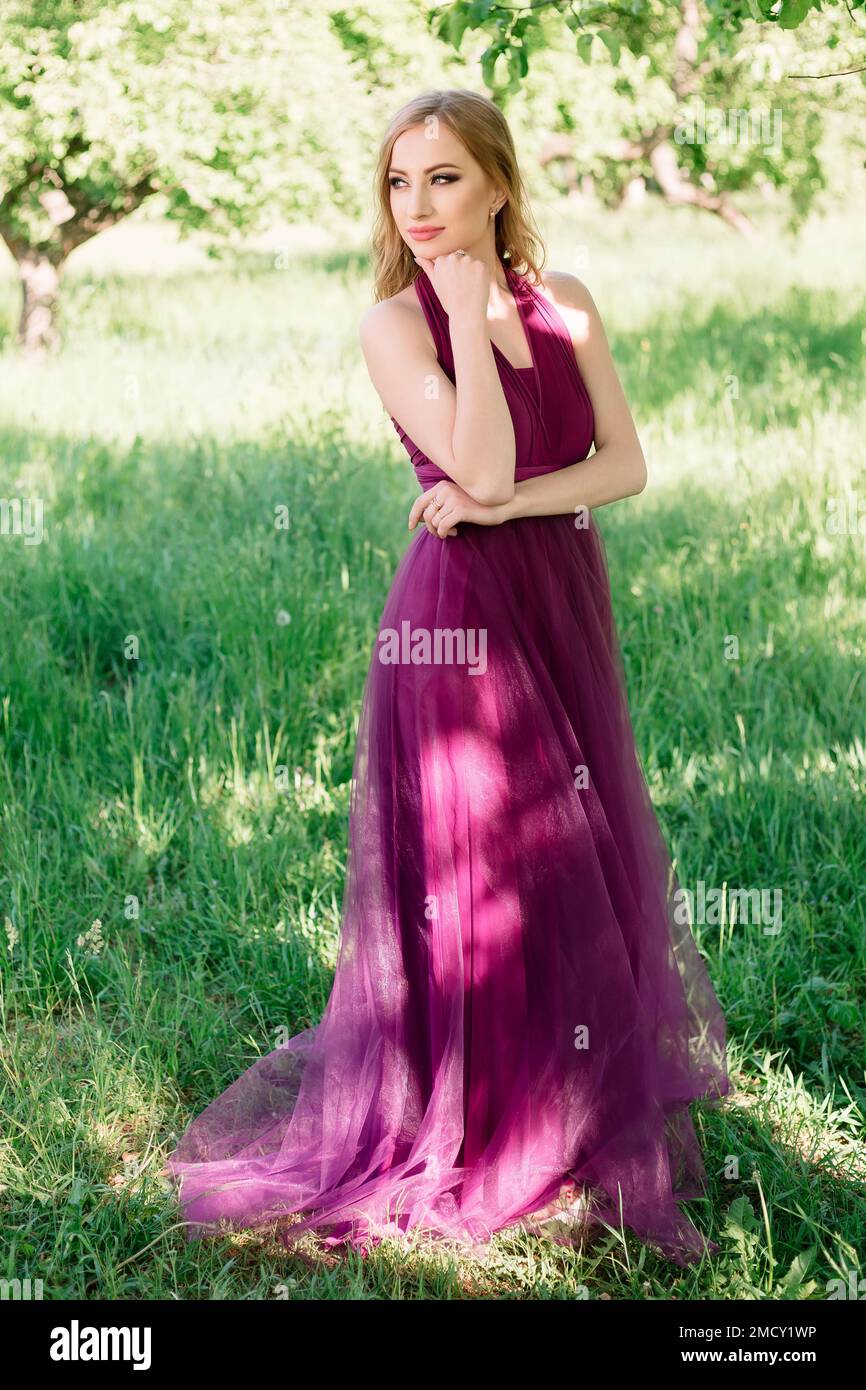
pixel 517 1012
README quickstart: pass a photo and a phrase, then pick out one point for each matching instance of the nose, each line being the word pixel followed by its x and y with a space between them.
pixel 418 206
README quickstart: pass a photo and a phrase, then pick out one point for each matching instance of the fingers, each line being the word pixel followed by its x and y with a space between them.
pixel 432 514
pixel 431 506
pixel 445 521
pixel 418 506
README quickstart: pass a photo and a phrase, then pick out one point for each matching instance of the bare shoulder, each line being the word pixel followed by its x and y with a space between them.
pixel 564 288
pixel 397 321
pixel 573 300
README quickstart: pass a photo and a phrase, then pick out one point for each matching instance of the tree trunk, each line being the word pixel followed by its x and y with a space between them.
pixel 40 288
pixel 76 219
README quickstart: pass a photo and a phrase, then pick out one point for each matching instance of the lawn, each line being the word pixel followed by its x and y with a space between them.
pixel 181 680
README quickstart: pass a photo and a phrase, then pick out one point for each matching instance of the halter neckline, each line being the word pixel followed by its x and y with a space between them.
pixel 518 288
pixel 522 292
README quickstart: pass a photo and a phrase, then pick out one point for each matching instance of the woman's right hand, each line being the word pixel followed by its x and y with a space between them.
pixel 462 284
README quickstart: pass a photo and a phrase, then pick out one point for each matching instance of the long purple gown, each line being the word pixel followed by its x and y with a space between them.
pixel 516 1006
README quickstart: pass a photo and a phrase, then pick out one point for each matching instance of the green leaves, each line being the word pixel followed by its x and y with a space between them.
pixel 793 12
pixel 611 43
pixel 636 25
pixel 100 103
pixel 584 47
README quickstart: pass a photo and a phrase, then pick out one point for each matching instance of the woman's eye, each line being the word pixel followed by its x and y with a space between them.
pixel 448 178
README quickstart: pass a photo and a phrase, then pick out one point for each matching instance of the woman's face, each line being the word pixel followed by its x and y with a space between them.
pixel 437 185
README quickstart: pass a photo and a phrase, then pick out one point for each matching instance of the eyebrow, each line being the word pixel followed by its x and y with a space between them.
pixel 432 169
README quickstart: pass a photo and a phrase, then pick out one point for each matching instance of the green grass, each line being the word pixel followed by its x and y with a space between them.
pixel 141 792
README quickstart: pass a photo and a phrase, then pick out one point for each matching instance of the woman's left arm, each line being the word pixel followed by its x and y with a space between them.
pixel 617 468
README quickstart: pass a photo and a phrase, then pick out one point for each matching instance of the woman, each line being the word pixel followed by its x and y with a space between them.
pixel 518 1022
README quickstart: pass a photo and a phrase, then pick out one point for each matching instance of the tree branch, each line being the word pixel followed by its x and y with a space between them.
pixel 680 190
pixel 92 218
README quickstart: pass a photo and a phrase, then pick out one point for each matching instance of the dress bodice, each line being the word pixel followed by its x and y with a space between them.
pixel 550 407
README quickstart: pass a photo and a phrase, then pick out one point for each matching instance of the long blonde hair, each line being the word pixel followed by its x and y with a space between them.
pixel 482 128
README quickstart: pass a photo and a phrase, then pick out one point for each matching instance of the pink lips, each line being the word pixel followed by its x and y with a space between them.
pixel 424 233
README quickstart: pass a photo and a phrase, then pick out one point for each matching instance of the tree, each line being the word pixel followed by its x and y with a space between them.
pixel 104 103
pixel 671 60
pixel 238 113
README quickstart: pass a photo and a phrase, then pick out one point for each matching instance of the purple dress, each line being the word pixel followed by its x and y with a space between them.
pixel 516 1006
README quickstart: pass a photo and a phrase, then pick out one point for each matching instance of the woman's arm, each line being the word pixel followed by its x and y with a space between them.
pixel 483 441
pixel 609 474
pixel 467 431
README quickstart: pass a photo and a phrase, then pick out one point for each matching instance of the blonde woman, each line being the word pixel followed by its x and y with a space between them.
pixel 518 1019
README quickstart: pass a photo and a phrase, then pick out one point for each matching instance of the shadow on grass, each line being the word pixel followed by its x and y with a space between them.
pixel 803 351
